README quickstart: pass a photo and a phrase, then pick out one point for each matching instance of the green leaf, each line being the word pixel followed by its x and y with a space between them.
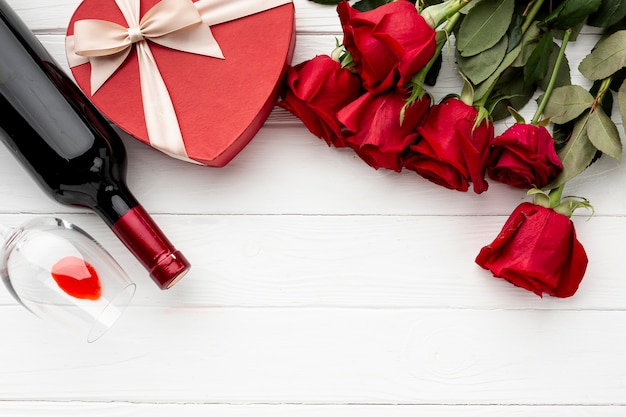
pixel 609 13
pixel 571 13
pixel 563 76
pixel 365 5
pixel 567 103
pixel 518 117
pixel 529 42
pixel 575 156
pixel 480 66
pixel 607 58
pixel 469 6
pixel 575 13
pixel 570 205
pixel 537 66
pixel 326 2
pixel 540 197
pixel 484 26
pixel 484 87
pixel 510 91
pixel 562 133
pixel 621 98
pixel 514 32
pixel 603 134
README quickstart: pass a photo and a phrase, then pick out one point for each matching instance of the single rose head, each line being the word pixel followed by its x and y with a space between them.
pixel 316 90
pixel 389 44
pixel 537 250
pixel 524 156
pixel 451 151
pixel 374 128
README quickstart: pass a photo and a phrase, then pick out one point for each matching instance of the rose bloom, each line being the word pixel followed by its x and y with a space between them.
pixel 316 90
pixel 537 250
pixel 389 44
pixel 449 151
pixel 524 156
pixel 374 130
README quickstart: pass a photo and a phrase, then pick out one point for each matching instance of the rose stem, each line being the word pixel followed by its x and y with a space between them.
pixel 448 28
pixel 453 12
pixel 419 78
pixel 604 87
pixel 553 77
pixel 528 20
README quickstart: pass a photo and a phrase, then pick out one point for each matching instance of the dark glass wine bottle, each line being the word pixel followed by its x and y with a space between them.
pixel 70 149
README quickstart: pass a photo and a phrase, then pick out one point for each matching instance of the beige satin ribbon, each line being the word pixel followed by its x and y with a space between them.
pixel 177 24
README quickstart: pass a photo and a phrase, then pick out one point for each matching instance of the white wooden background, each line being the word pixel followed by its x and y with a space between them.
pixel 322 287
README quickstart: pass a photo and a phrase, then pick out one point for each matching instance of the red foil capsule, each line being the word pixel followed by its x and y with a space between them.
pixel 151 247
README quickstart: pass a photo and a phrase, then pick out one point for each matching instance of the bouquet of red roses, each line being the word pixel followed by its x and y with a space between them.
pixel 370 94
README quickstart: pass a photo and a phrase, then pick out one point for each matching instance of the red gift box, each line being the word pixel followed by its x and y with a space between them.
pixel 195 79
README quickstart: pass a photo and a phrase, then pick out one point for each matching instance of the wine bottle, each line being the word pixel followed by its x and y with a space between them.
pixel 70 149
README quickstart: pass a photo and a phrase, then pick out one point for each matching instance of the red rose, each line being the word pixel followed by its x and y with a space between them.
pixel 389 44
pixel 537 250
pixel 374 128
pixel 316 90
pixel 524 156
pixel 450 151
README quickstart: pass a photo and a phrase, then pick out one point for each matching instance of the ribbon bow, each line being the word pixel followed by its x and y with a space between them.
pixel 178 24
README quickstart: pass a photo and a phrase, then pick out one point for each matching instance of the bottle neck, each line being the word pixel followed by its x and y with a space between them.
pixel 140 234
pixel 113 201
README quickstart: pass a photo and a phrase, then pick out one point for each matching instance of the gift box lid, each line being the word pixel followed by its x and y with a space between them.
pixel 193 79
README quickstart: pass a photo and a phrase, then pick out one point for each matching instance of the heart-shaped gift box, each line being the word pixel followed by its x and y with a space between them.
pixel 194 79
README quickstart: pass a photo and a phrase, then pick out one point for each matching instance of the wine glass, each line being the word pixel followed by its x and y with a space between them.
pixel 62 275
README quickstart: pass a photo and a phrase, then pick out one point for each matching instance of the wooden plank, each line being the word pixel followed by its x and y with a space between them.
pixel 296 173
pixel 354 261
pixel 43 16
pixel 325 356
pixel 60 409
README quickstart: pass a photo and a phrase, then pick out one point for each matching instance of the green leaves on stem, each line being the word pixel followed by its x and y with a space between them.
pixel 589 130
pixel 499 41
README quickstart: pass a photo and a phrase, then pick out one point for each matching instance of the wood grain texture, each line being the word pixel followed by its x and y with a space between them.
pixel 94 409
pixel 328 356
pixel 322 287
pixel 353 261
